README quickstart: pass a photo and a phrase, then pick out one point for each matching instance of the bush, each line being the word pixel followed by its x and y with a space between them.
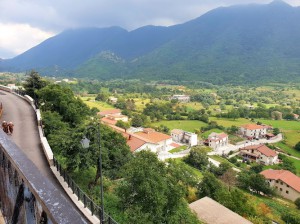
pixel 297 203
pixel 291 217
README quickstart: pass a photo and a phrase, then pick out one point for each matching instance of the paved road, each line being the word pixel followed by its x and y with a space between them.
pixel 26 134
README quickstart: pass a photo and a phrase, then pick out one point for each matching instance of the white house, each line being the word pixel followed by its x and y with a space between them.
pixel 216 140
pixel 260 153
pixel 285 183
pixel 181 98
pixel 179 135
pixel 253 131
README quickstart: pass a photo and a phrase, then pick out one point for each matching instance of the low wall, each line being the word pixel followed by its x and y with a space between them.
pixel 5 88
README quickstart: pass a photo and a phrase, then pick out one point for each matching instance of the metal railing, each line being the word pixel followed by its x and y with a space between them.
pixel 82 196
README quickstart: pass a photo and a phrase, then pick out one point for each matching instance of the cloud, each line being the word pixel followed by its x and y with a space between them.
pixel 47 17
pixel 17 38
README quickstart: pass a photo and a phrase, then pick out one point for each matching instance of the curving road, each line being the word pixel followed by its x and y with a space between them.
pixel 26 135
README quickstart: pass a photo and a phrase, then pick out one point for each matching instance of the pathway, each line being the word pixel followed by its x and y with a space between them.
pixel 26 135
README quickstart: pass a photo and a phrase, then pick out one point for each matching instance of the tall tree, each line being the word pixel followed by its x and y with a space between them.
pixel 33 82
pixel 149 189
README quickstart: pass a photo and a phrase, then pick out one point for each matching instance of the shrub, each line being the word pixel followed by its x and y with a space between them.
pixel 297 203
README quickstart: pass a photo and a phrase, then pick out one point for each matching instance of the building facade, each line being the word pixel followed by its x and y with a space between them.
pixel 253 131
pixel 182 136
pixel 217 140
pixel 260 154
pixel 285 183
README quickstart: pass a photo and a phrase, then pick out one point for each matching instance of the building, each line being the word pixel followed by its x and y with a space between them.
pixel 260 154
pixel 189 138
pixel 111 117
pixel 217 140
pixel 252 131
pixel 285 183
pixel 296 116
pixel 112 99
pixel 211 212
pixel 109 112
pixel 181 98
pixel 147 139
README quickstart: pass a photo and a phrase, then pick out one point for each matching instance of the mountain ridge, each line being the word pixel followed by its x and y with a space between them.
pixel 242 43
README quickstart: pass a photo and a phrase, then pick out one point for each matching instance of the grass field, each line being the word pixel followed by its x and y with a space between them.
pixel 229 122
pixel 290 129
pixel 187 125
pixel 287 149
pixel 90 101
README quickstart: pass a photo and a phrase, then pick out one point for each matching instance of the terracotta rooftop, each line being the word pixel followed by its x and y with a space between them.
pixel 263 149
pixel 108 121
pixel 212 212
pixel 107 112
pixel 132 141
pixel 152 137
pixel 253 126
pixel 285 176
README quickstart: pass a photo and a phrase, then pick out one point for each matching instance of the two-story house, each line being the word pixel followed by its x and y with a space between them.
pixel 260 153
pixel 252 131
pixel 285 183
pixel 189 138
pixel 217 140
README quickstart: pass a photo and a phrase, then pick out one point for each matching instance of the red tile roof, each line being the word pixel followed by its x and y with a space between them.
pixel 108 121
pixel 285 176
pixel 111 111
pixel 253 126
pixel 263 149
pixel 153 137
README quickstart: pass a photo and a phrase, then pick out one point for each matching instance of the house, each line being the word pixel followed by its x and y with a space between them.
pixel 211 212
pixel 156 141
pixel 181 98
pixel 109 112
pixel 296 116
pixel 216 140
pixel 147 139
pixel 285 183
pixel 260 154
pixel 253 131
pixel 112 99
pixel 179 135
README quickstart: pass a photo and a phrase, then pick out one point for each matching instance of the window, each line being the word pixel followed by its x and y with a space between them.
pixel 287 186
pixel 276 181
pixel 280 189
pixel 281 183
pixel 287 192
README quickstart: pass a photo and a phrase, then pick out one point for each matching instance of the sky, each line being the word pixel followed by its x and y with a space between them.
pixel 26 23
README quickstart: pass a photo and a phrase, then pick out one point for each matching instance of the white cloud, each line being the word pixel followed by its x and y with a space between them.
pixel 20 37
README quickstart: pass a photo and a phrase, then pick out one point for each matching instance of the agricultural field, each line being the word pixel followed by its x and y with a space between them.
pixel 90 101
pixel 290 129
pixel 187 125
pixel 230 122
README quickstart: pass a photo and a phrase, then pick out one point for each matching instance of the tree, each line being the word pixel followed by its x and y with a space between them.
pixel 148 188
pixel 257 168
pixel 197 158
pixel 122 124
pixel 137 121
pixel 255 182
pixel 209 186
pixel 297 146
pixel 33 83
pixel 102 97
pixel 276 131
pixel 297 203
pixel 62 100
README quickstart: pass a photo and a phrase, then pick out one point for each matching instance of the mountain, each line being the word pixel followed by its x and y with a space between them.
pixel 237 44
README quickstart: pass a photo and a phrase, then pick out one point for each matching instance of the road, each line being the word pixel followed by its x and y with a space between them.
pixel 26 135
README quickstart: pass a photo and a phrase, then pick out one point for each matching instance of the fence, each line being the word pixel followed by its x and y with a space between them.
pixel 95 209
